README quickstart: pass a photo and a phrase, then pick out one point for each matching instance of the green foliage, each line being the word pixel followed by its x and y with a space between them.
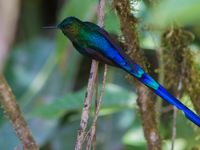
pixel 115 97
pixel 175 11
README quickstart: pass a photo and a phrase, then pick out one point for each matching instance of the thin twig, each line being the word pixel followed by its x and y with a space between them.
pixel 89 93
pixel 101 95
pixel 166 109
pixel 174 127
pixel 12 110
pixel 93 127
pixel 95 109
pixel 179 93
pixel 86 106
pixel 101 13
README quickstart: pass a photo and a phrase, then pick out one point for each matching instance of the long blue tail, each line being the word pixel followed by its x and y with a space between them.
pixel 146 79
pixel 164 94
pixel 124 62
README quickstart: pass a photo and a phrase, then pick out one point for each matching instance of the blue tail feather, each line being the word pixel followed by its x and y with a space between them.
pixel 163 93
pixel 136 71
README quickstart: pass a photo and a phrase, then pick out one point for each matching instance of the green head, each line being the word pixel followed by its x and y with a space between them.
pixel 70 26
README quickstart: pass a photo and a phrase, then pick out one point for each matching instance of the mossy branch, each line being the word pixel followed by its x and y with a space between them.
pixel 146 99
pixel 12 111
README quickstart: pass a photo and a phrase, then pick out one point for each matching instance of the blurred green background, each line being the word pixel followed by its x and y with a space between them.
pixel 49 77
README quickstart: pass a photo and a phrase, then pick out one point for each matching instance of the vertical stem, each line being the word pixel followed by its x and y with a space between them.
pixel 93 127
pixel 174 127
pixel 90 87
pixel 101 95
pixel 86 106
pixel 12 110
pixel 179 92
pixel 95 109
pixel 101 13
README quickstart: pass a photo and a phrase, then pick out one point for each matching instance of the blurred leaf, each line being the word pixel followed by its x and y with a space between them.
pixel 65 137
pixel 51 81
pixel 25 62
pixel 179 144
pixel 42 129
pixel 135 137
pixel 111 20
pixel 114 96
pixel 184 12
pixel 8 140
pixel 79 9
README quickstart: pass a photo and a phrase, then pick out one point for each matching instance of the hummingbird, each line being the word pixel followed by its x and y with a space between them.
pixel 94 42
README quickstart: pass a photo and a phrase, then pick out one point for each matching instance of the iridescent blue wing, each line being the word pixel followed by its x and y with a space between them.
pixel 115 44
pixel 93 54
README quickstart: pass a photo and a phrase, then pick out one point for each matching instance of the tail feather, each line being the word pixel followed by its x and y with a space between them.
pixel 136 71
pixel 163 93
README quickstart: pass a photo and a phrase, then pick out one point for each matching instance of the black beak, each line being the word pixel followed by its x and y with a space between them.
pixel 50 27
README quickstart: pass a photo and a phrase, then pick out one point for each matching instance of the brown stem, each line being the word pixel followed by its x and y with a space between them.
pixel 86 106
pixel 88 134
pixel 93 127
pixel 175 110
pixel 12 110
pixel 174 127
pixel 146 105
pixel 89 93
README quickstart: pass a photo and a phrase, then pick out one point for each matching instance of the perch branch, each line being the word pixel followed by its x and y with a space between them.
pixel 90 87
pixel 93 127
pixel 86 106
pixel 12 110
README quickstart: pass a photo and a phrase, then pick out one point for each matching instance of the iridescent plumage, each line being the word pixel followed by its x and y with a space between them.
pixel 94 42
